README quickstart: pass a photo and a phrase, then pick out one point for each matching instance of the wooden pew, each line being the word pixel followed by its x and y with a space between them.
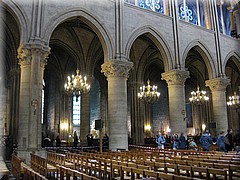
pixel 40 165
pixel 29 173
pixel 16 166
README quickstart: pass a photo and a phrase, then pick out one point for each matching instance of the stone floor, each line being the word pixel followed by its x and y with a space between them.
pixel 9 166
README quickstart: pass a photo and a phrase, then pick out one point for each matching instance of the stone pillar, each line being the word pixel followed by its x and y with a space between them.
pixel 234 114
pixel 218 90
pixel 85 118
pixel 236 14
pixel 137 115
pixel 85 115
pixel 116 72
pixel 176 92
pixel 197 121
pixel 14 103
pixel 32 60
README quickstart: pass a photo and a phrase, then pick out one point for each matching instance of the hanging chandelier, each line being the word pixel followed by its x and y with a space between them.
pixel 198 97
pixel 148 93
pixel 234 100
pixel 76 85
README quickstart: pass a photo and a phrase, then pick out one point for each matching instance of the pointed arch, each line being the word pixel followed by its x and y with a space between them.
pixel 159 41
pixel 206 55
pixel 236 59
pixel 89 19
pixel 21 18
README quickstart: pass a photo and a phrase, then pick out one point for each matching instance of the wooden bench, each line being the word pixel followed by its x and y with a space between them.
pixel 16 166
pixel 29 173
pixel 40 165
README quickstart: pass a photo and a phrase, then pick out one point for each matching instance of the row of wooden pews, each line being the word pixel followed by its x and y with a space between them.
pixel 22 171
pixel 169 164
pixel 136 164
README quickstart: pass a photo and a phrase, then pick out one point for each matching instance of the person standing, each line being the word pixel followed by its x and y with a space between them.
pixel 236 141
pixel 206 141
pixel 220 142
pixel 160 140
pixel 192 145
pixel 175 141
pixel 58 141
pixel 182 143
pixel 75 137
pixel 228 140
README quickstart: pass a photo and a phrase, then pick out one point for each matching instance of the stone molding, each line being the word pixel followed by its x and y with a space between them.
pixel 218 84
pixel 116 68
pixel 175 77
pixel 26 51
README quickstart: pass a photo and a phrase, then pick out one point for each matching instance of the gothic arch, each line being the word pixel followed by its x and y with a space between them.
pixel 206 55
pixel 236 59
pixel 92 21
pixel 160 42
pixel 21 18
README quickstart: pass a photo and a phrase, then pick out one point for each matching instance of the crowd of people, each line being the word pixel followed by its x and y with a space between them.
pixel 225 141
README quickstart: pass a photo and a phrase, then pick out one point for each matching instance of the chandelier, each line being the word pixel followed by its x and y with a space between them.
pixel 198 97
pixel 76 85
pixel 148 93
pixel 234 100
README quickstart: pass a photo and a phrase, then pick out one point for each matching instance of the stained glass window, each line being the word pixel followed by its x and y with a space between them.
pixel 154 5
pixel 43 83
pixel 76 111
pixel 188 12
pixel 226 19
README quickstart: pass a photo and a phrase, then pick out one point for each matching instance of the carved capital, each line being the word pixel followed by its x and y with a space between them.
pixel 218 84
pixel 175 77
pixel 41 50
pixel 24 56
pixel 28 50
pixel 117 68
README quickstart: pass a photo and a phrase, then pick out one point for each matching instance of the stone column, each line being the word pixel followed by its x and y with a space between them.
pixel 236 14
pixel 197 121
pixel 116 72
pixel 85 114
pixel 32 60
pixel 137 115
pixel 85 118
pixel 176 92
pixel 218 90
pixel 234 114
pixel 14 78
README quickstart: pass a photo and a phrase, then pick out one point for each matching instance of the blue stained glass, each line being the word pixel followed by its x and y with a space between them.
pixel 191 15
pixel 202 15
pixel 226 19
pixel 152 5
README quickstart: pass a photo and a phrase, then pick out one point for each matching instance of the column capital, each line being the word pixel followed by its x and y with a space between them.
pixel 116 68
pixel 26 51
pixel 175 77
pixel 218 84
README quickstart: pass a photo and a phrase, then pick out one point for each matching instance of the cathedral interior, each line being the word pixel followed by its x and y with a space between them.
pixel 118 46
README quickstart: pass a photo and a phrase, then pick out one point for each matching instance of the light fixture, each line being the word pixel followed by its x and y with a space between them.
pixel 148 93
pixel 147 127
pixel 203 127
pixel 198 97
pixel 234 100
pixel 77 85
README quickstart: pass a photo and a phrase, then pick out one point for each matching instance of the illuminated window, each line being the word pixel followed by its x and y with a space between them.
pixel 42 101
pixel 76 111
